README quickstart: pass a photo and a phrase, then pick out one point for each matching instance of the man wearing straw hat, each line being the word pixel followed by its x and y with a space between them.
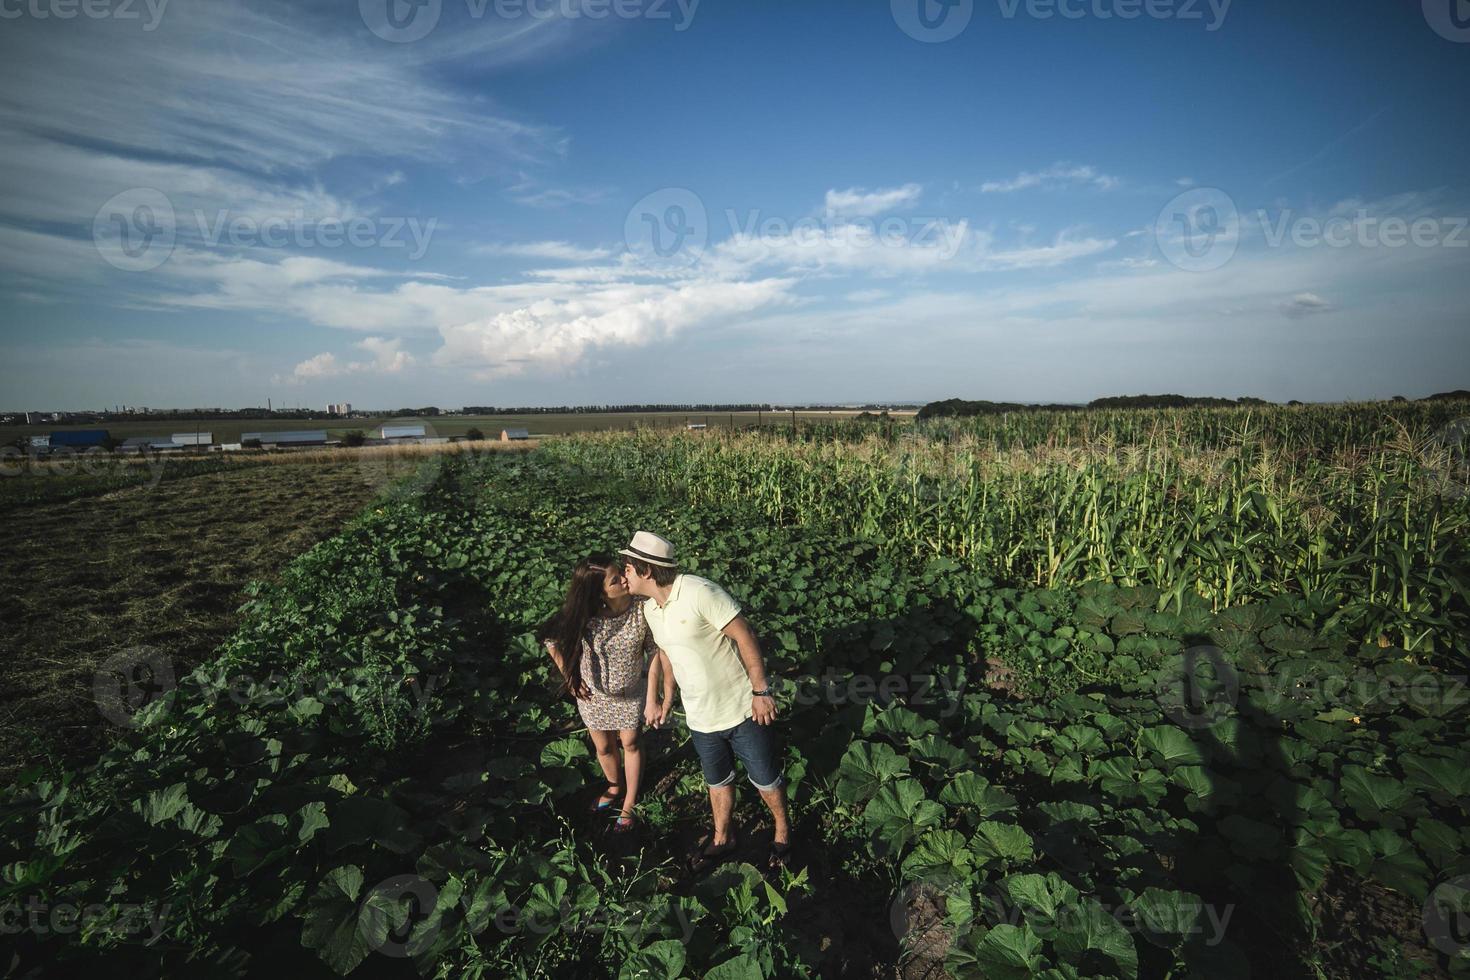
pixel 717 664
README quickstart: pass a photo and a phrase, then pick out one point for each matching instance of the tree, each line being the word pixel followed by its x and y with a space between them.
pixel 474 435
pixel 354 438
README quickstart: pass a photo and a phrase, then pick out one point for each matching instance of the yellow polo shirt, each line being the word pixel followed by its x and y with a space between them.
pixel 713 684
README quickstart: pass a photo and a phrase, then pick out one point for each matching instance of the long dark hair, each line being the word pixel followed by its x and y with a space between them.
pixel 568 627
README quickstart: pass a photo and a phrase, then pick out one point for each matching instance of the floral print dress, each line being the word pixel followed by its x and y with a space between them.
pixel 615 667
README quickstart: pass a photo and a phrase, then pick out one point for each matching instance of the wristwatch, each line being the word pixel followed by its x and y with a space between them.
pixel 762 694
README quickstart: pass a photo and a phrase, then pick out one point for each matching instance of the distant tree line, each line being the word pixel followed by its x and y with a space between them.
pixel 962 408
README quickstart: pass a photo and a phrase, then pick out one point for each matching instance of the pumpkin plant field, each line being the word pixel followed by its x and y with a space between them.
pixel 1133 694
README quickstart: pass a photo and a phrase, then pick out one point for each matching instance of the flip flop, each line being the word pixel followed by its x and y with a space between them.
pixel 709 856
pixel 625 824
pixel 602 804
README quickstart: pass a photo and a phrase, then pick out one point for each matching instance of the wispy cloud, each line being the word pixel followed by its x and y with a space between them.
pixel 1058 175
pixel 858 203
pixel 561 251
pixel 1304 305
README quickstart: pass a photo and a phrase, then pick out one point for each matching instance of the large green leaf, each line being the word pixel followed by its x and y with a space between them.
pixel 1008 952
pixel 865 767
pixel 1168 917
pixel 1172 745
pixel 898 813
pixel 1005 842
pixel 661 960
pixel 1373 797
pixel 1089 926
pixel 1443 779
pixel 331 926
pixel 939 854
pixel 742 967
pixel 973 791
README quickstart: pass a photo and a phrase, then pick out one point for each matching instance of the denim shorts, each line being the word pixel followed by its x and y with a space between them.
pixel 753 744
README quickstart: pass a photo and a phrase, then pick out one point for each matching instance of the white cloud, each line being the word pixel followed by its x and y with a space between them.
pixel 562 251
pixel 555 335
pixel 858 203
pixel 1057 175
pixel 1304 305
pixel 387 359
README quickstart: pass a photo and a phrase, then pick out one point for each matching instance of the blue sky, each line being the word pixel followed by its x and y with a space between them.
pixel 213 204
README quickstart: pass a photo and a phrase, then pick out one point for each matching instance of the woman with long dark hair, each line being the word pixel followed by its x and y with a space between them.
pixel 603 649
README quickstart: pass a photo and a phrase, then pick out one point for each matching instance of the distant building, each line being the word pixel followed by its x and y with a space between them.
pixel 148 444
pixel 79 438
pixel 40 442
pixel 193 438
pixel 341 408
pixel 695 426
pixel 401 432
pixel 305 437
pixel 510 435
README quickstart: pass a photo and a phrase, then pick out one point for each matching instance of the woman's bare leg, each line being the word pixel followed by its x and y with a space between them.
pixel 633 763
pixel 606 745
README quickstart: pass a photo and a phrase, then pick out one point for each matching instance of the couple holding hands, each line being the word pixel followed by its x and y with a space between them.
pixel 631 629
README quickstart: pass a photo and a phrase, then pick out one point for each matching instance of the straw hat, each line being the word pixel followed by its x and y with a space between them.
pixel 651 548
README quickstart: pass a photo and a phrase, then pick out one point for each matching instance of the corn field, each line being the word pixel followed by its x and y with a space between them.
pixel 1362 508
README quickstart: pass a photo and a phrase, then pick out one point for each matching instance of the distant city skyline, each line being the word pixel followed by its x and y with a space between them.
pixel 675 202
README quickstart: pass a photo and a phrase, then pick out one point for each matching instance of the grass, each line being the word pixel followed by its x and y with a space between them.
pixel 160 566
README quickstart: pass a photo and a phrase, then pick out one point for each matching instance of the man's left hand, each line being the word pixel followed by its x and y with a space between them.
pixel 763 709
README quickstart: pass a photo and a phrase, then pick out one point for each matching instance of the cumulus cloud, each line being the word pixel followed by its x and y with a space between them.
pixel 556 334
pixel 387 358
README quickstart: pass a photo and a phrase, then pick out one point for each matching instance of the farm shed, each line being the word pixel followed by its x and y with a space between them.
pixel 225 447
pixel 302 437
pixel 507 435
pixel 152 444
pixel 695 426
pixel 40 442
pixel 402 432
pixel 193 438
pixel 79 438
